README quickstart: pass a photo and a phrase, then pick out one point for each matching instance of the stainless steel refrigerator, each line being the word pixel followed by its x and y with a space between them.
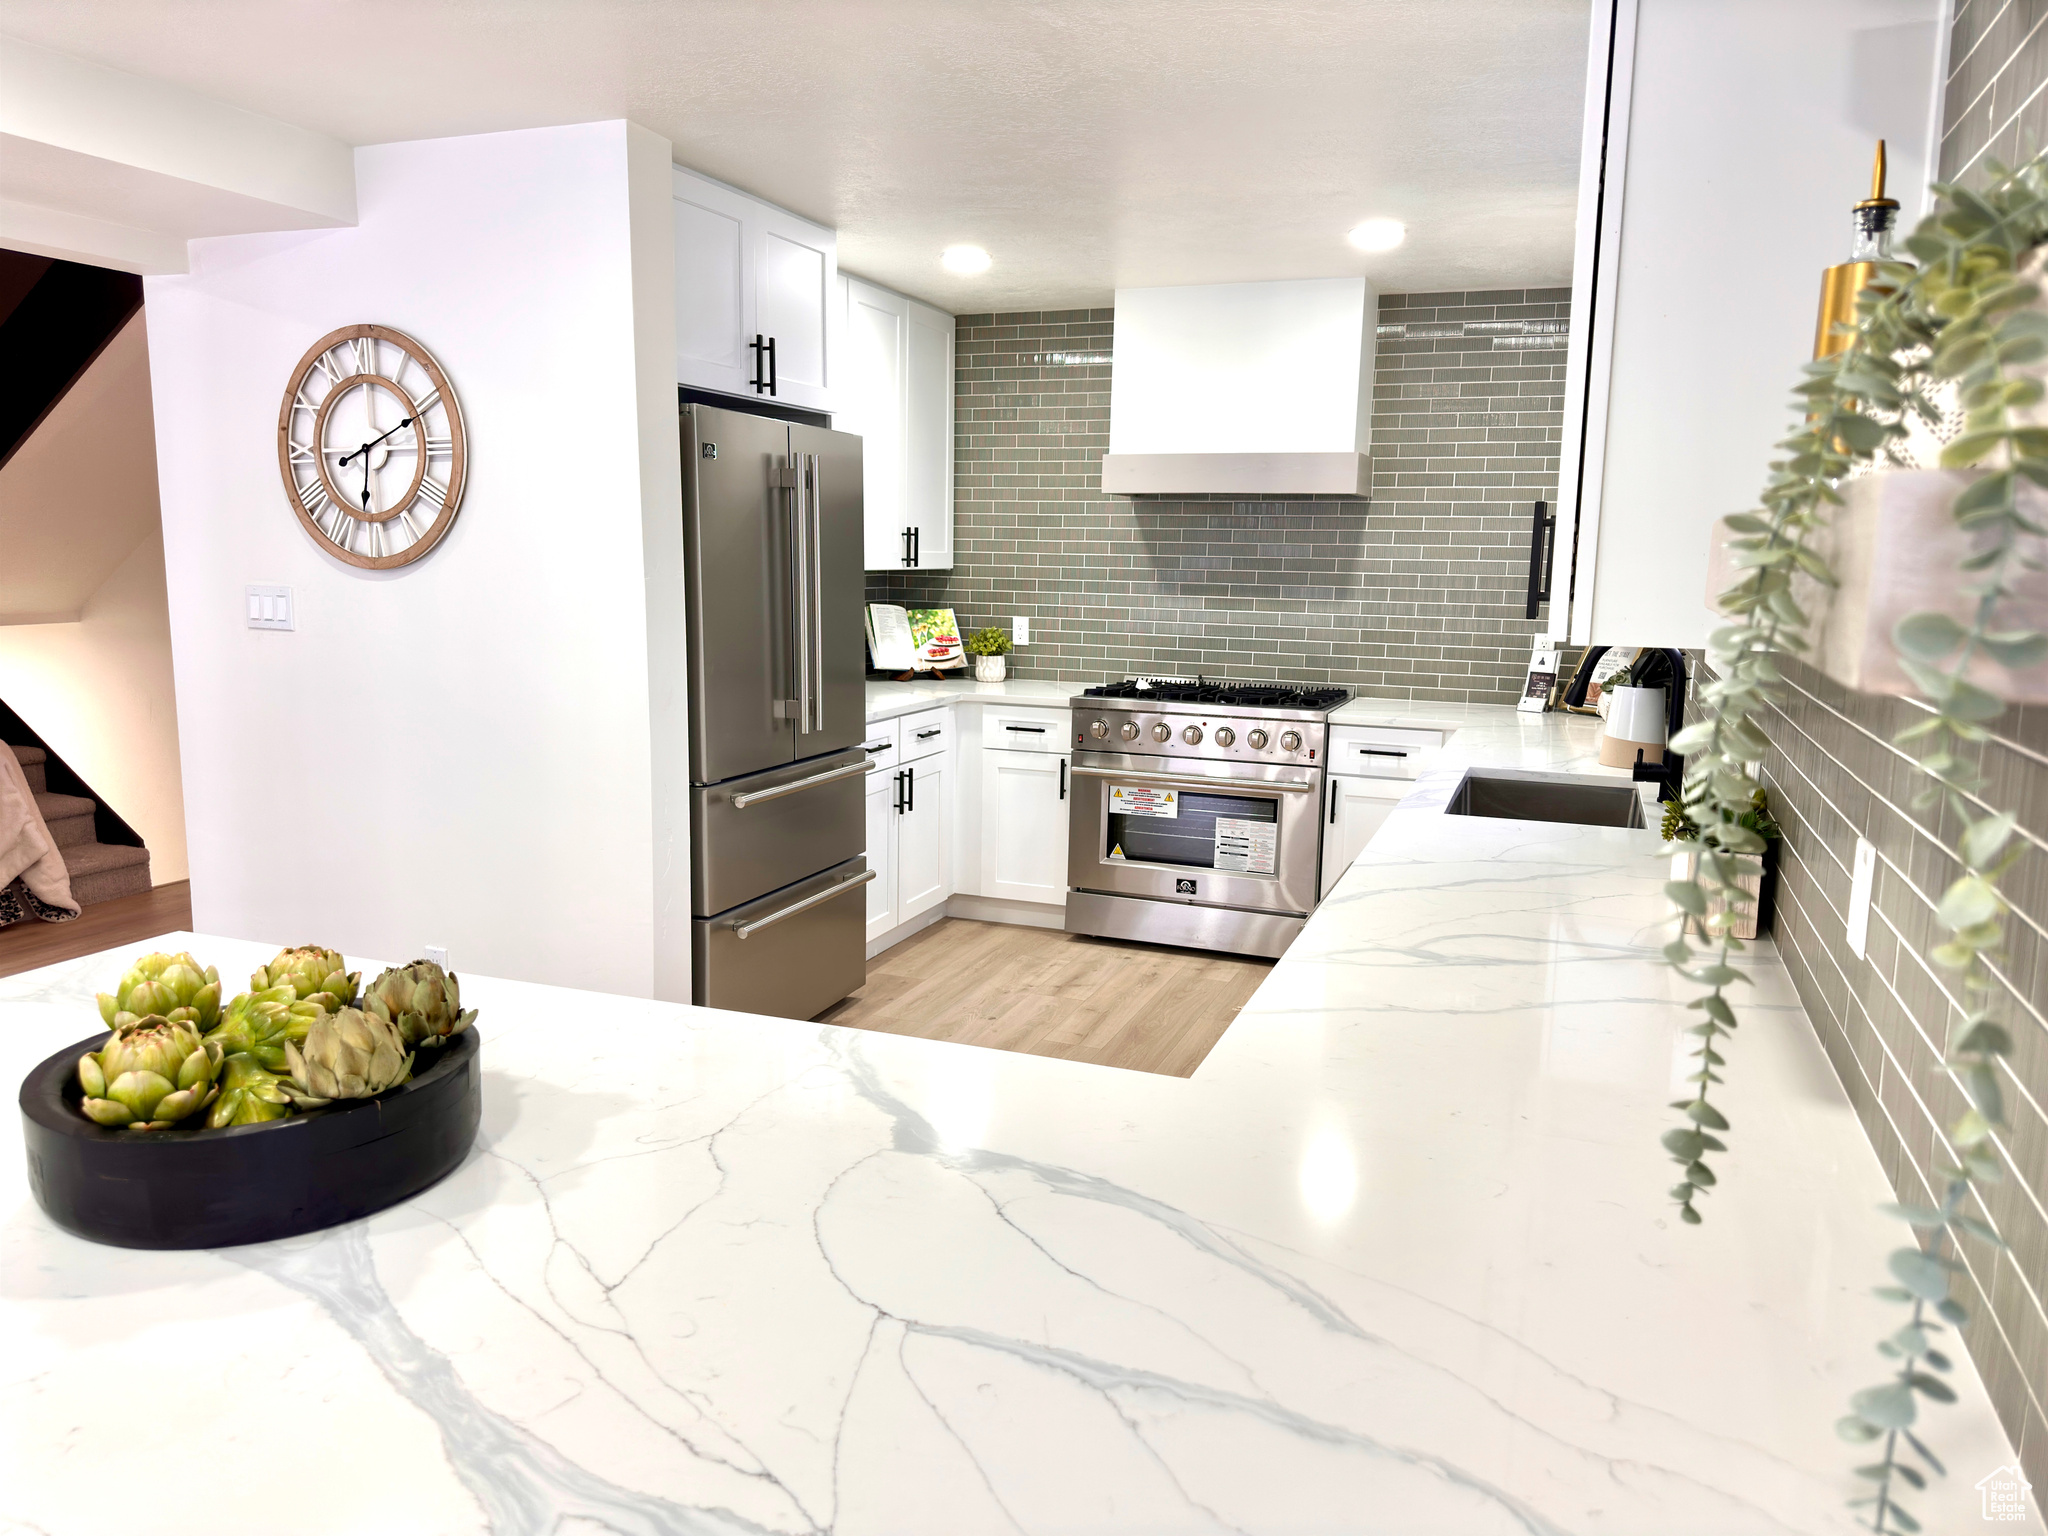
pixel 772 536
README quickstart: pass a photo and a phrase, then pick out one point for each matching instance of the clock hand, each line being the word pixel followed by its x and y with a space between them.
pixel 373 442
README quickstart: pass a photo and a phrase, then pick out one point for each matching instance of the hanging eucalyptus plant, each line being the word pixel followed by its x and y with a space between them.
pixel 1963 320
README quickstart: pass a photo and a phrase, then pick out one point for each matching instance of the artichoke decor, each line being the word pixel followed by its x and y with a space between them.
pixel 249 1094
pixel 422 1000
pixel 312 973
pixel 149 1075
pixel 175 987
pixel 260 1024
pixel 348 1054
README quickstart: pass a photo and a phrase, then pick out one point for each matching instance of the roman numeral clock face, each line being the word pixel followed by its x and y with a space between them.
pixel 371 445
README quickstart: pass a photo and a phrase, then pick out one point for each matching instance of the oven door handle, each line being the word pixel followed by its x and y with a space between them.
pixel 1191 780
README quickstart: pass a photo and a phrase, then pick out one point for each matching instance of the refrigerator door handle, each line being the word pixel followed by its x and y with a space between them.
pixel 830 776
pixel 800 583
pixel 748 930
pixel 814 496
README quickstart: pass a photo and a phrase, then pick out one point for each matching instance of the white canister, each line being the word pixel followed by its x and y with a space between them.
pixel 1635 723
pixel 989 669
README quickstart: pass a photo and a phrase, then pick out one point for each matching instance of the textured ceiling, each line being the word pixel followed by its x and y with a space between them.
pixel 1086 146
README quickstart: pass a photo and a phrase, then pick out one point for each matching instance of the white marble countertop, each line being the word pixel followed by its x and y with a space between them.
pixel 886 700
pixel 1398 1258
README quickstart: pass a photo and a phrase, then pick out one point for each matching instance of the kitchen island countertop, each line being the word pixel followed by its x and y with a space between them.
pixel 1397 1258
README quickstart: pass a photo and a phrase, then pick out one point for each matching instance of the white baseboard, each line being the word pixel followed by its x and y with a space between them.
pixel 980 909
pixel 902 931
pixel 1000 909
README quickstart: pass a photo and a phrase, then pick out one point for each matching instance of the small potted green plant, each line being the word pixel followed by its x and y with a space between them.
pixel 988 647
pixel 1759 878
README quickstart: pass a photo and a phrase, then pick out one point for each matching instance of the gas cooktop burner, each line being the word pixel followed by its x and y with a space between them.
pixel 1232 695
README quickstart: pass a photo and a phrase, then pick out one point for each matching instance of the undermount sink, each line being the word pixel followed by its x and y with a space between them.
pixel 1513 795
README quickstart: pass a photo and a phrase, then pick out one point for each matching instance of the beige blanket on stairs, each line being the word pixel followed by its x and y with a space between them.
pixel 27 850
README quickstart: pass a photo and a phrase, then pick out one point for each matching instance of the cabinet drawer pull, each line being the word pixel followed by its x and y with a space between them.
pixel 927 735
pixel 1036 730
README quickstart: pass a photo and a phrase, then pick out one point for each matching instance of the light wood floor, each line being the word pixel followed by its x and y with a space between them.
pixel 1141 1006
pixel 28 944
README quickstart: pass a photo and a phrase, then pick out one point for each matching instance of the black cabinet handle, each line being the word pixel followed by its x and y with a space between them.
pixel 917 546
pixel 910 789
pixel 928 735
pixel 1036 730
pixel 1063 778
pixel 906 549
pixel 899 791
pixel 763 348
pixel 1542 555
pixel 1336 789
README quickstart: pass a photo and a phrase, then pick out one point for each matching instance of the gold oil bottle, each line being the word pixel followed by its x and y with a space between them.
pixel 1840 284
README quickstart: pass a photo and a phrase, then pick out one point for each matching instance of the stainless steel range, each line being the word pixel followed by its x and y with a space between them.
pixel 1195 815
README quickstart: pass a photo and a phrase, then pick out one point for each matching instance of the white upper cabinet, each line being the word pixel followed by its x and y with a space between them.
pixel 896 391
pixel 757 312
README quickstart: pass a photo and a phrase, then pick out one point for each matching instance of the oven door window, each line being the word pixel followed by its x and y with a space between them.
pixel 1233 833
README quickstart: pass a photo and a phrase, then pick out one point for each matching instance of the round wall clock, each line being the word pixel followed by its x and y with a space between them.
pixel 371 446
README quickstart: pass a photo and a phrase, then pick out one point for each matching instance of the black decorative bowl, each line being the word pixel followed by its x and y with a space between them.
pixel 247 1183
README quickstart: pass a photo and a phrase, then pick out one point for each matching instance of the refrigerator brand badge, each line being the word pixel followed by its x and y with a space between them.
pixel 1183 887
pixel 1129 800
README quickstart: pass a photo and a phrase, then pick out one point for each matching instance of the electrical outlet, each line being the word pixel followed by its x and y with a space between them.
pixel 269 607
pixel 1862 875
pixel 1020 631
pixel 438 954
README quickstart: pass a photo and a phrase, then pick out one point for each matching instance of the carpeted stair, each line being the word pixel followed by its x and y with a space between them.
pixel 99 871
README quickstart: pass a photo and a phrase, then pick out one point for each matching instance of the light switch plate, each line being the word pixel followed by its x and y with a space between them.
pixel 1020 630
pixel 1862 874
pixel 269 607
pixel 438 954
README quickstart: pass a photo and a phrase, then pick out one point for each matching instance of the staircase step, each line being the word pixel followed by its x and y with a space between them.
pixel 102 871
pixel 34 766
pixel 69 818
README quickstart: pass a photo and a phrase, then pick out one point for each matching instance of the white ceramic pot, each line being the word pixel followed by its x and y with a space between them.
pixel 989 669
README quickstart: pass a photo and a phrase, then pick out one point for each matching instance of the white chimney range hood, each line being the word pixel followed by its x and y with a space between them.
pixel 1243 389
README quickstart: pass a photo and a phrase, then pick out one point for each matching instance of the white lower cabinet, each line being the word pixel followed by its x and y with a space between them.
pixel 1024 825
pixel 910 842
pixel 1354 809
pixel 924 840
pixel 882 794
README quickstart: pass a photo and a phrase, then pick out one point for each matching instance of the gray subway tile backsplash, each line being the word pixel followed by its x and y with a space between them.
pixel 1416 591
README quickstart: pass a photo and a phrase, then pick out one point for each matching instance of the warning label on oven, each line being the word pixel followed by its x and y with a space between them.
pixel 1250 846
pixel 1126 800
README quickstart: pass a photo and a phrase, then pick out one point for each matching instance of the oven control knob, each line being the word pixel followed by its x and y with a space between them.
pixel 1225 736
pixel 1162 732
pixel 1128 730
pixel 1099 729
pixel 1192 735
pixel 1255 739
pixel 1290 741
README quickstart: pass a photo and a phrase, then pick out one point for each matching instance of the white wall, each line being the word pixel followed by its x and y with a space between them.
pixel 1750 135
pixel 459 751
pixel 99 692
pixel 80 494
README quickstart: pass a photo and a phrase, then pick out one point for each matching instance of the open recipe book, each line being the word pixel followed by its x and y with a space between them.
pixel 913 639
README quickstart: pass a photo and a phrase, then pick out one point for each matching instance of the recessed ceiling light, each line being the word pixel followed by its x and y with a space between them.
pixel 1379 234
pixel 965 260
